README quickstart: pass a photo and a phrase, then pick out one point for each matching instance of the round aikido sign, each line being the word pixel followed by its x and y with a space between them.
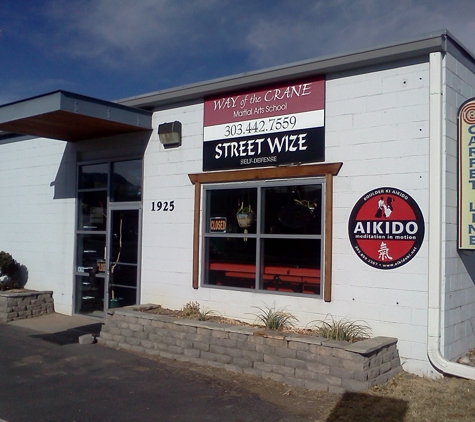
pixel 386 228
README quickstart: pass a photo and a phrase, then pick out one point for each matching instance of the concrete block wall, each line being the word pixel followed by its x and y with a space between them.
pixel 377 124
pixel 22 305
pixel 168 238
pixel 37 212
pixel 309 362
pixel 459 266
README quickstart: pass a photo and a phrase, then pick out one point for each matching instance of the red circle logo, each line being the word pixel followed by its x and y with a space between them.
pixel 468 114
pixel 386 228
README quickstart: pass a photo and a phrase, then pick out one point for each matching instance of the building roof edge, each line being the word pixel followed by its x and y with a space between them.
pixel 415 47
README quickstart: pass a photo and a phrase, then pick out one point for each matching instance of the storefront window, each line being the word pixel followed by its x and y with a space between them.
pixel 93 176
pixel 127 181
pixel 108 235
pixel 264 236
pixel 92 213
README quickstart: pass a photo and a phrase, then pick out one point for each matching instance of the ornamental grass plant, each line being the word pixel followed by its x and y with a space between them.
pixel 343 329
pixel 275 319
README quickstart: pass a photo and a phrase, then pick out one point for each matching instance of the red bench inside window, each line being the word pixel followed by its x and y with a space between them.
pixel 281 278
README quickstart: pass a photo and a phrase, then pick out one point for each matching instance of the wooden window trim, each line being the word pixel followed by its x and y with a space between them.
pixel 328 170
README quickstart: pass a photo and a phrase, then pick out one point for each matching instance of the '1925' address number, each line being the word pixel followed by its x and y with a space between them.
pixel 163 206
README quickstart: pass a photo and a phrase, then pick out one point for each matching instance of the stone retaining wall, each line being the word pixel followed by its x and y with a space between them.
pixel 21 305
pixel 304 361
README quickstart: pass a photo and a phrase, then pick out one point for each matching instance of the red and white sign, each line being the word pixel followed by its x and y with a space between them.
pixel 386 228
pixel 278 124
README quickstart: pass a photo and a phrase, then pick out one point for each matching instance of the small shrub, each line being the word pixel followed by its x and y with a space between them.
pixel 8 266
pixel 9 271
pixel 190 310
pixel 275 319
pixel 343 329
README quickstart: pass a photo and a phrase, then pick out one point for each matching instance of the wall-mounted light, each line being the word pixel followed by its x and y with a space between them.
pixel 170 134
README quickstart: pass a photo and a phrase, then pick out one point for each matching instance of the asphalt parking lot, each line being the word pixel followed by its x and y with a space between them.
pixel 46 375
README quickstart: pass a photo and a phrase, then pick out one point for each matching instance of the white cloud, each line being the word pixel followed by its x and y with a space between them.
pixel 118 33
pixel 324 27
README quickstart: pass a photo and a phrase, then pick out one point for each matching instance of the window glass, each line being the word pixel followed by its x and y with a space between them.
pixel 123 296
pixel 231 262
pixel 277 248
pixel 237 206
pixel 127 181
pixel 89 294
pixel 291 265
pixel 293 209
pixel 93 176
pixel 124 236
pixel 123 275
pixel 92 214
pixel 90 253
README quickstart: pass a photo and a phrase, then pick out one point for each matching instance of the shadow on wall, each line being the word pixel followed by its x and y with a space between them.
pixel 113 148
pixel 65 181
pixel 468 259
pixel 361 407
pixel 22 276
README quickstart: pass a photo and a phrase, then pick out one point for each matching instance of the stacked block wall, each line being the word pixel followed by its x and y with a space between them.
pixel 309 362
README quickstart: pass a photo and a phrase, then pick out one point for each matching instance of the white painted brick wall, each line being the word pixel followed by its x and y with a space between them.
pixel 37 226
pixel 386 145
pixel 168 236
pixel 377 124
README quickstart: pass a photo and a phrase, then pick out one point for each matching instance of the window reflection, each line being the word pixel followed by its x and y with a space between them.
pixel 127 181
pixel 293 209
pixel 90 252
pixel 93 176
pixel 92 213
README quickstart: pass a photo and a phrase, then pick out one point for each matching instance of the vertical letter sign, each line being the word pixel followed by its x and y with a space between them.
pixel 466 177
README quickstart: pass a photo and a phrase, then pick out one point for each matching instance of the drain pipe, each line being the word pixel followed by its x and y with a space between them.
pixel 436 264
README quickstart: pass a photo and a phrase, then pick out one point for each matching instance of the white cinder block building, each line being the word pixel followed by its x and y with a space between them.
pixel 326 187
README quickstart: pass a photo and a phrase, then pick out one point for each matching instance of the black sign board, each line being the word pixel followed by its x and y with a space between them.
pixel 298 146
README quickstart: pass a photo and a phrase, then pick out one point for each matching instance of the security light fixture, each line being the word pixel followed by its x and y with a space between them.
pixel 170 134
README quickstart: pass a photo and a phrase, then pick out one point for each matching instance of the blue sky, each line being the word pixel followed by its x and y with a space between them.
pixel 113 49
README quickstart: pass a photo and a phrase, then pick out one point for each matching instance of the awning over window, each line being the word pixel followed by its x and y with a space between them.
pixel 71 117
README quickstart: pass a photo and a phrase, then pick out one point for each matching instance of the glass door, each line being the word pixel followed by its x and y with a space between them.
pixel 123 256
pixel 108 236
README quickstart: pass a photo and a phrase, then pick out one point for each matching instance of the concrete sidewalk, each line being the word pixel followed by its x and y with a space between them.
pixel 62 329
pixel 47 376
pixel 53 323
